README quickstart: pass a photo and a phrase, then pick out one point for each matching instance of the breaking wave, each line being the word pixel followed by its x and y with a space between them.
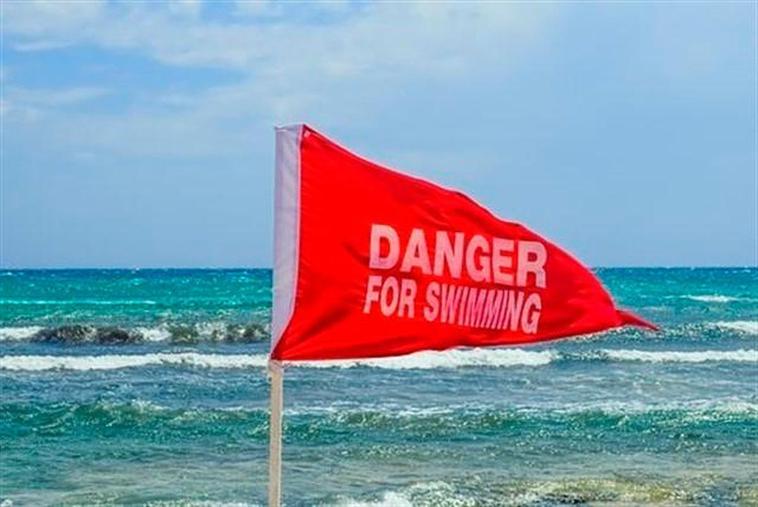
pixel 546 492
pixel 195 503
pixel 749 327
pixel 139 418
pixel 420 360
pixel 741 355
pixel 456 358
pixel 19 333
pixel 450 359
pixel 217 331
pixel 114 362
pixel 339 412
pixel 77 334
pixel 711 298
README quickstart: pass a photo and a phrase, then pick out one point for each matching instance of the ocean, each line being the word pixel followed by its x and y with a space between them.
pixel 148 387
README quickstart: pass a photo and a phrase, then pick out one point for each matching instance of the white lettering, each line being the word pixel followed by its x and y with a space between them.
pixel 407 298
pixel 513 312
pixel 389 297
pixel 381 232
pixel 451 296
pixel 501 258
pixel 530 316
pixel 451 255
pixel 416 253
pixel 491 308
pixel 372 292
pixel 432 308
pixel 480 272
pixel 531 259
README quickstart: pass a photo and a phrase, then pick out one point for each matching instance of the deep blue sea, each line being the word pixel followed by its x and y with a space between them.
pixel 147 387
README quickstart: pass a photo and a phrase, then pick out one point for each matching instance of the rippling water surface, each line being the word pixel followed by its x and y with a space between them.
pixel 148 388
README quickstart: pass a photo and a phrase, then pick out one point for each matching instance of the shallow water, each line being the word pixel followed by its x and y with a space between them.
pixel 148 387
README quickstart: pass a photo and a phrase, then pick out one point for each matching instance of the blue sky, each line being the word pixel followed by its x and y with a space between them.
pixel 140 134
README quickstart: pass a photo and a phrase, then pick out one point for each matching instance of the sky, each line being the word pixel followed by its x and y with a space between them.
pixel 140 134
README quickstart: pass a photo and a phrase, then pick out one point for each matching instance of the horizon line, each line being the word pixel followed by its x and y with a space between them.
pixel 270 268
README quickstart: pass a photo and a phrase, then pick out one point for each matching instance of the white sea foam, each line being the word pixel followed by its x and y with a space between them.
pixel 456 358
pixel 584 490
pixel 214 330
pixel 450 359
pixel 389 499
pixel 154 334
pixel 728 406
pixel 114 362
pixel 18 333
pixel 210 328
pixel 420 360
pixel 428 493
pixel 711 298
pixel 196 503
pixel 702 356
pixel 749 327
pixel 698 408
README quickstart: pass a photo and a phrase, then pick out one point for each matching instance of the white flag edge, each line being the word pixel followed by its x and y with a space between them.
pixel 286 227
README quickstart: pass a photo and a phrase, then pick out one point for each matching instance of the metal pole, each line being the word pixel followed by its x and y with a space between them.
pixel 275 371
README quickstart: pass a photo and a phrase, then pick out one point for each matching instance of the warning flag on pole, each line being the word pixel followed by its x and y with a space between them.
pixel 371 262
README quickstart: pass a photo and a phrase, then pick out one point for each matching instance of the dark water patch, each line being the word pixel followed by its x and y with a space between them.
pixel 80 334
pixel 232 333
pixel 83 334
pixel 734 333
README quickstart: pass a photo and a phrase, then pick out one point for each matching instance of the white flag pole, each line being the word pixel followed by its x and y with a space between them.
pixel 276 372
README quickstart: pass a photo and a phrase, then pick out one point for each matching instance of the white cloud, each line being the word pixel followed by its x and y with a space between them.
pixel 342 67
pixel 51 18
pixel 379 37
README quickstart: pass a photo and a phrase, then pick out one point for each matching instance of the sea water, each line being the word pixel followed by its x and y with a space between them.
pixel 148 387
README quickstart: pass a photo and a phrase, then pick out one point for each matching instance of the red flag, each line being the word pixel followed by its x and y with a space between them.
pixel 370 262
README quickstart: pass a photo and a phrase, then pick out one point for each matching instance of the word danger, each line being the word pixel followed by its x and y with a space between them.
pixel 510 263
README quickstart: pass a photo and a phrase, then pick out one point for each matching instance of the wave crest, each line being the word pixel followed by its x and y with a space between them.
pixel 114 361
pixel 420 360
pixel 308 423
pixel 78 334
pixel 455 358
pixel 740 356
pixel 749 327
pixel 19 333
pixel 449 359
pixel 560 491
pixel 710 298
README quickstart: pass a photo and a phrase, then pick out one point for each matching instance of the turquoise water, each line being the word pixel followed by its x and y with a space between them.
pixel 147 388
